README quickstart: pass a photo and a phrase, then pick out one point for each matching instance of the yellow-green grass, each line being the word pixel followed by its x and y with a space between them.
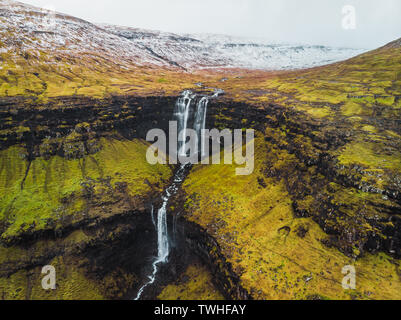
pixel 52 189
pixel 18 255
pixel 344 89
pixel 71 284
pixel 259 234
pixel 369 155
pixel 194 284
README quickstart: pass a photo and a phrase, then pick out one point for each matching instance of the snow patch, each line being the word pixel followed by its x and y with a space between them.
pixel 25 28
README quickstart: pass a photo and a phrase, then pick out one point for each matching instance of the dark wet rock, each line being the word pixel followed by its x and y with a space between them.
pixel 69 126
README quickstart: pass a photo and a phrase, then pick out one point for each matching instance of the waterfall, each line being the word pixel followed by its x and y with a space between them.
pixel 163 247
pixel 182 115
pixel 200 121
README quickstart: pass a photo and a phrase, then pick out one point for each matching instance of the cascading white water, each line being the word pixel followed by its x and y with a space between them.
pixel 200 121
pixel 182 113
pixel 183 107
pixel 200 118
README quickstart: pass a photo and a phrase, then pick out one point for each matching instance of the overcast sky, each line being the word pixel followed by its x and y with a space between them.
pixel 295 21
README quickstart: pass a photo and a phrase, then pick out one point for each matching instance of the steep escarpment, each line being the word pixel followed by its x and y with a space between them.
pixel 46 126
pixel 78 144
pixel 275 253
pixel 318 155
pixel 76 188
pixel 104 260
pixel 204 245
pixel 196 283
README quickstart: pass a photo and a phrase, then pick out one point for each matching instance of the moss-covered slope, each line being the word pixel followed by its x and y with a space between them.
pixel 75 192
pixel 71 212
pixel 49 194
pixel 194 284
pixel 277 254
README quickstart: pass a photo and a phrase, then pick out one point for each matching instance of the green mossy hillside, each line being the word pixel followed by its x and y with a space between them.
pixel 53 74
pixel 365 86
pixel 71 284
pixel 90 264
pixel 51 194
pixel 277 254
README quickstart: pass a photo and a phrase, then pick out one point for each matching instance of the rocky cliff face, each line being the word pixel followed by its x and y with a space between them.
pixel 311 150
pixel 45 126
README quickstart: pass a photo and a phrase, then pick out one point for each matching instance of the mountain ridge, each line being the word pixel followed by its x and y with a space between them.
pixel 62 32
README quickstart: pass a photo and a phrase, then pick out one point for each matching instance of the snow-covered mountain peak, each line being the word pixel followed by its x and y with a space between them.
pixel 25 28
